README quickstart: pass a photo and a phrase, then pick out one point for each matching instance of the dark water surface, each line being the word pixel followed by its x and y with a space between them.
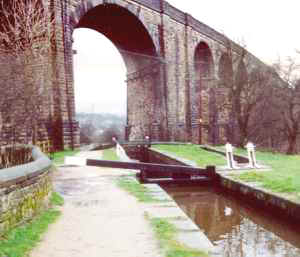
pixel 236 228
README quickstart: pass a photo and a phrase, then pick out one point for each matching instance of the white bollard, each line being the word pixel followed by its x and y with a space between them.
pixel 251 155
pixel 120 151
pixel 229 156
pixel 148 141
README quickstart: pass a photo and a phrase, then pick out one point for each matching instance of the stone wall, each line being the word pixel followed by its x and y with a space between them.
pixel 24 191
pixel 25 99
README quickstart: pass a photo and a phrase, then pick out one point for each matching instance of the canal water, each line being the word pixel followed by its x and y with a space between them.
pixel 236 228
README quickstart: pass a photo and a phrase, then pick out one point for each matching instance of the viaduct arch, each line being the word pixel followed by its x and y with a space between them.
pixel 174 65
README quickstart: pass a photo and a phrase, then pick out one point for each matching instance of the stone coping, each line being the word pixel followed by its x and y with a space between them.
pixel 171 156
pixel 16 174
pixel 188 232
pixel 253 192
pixel 144 142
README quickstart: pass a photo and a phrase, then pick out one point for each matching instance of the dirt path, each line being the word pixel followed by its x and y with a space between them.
pixel 98 219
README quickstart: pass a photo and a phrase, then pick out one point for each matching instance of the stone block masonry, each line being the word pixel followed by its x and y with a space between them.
pixel 24 191
pixel 173 62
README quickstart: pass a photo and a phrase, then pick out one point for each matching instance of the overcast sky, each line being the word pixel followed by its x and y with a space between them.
pixel 270 28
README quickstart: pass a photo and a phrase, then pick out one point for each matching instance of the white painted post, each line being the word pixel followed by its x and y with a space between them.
pixel 229 156
pixel 117 148
pixel 120 151
pixel 148 141
pixel 251 155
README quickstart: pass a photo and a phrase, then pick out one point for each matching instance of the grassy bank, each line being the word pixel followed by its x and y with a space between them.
pixel 165 231
pixel 194 153
pixel 58 157
pixel 110 155
pixel 284 176
pixel 141 192
pixel 166 234
pixel 19 241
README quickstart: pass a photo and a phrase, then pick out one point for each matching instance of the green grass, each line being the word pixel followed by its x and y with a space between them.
pixel 110 155
pixel 141 192
pixel 56 199
pixel 58 157
pixel 193 153
pixel 19 241
pixel 284 176
pixel 166 234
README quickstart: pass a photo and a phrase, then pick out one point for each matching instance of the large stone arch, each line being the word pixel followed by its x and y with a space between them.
pixel 226 78
pixel 84 7
pixel 207 113
pixel 233 77
pixel 81 10
pixel 138 44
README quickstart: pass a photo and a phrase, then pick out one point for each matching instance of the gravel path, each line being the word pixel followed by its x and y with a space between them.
pixel 98 218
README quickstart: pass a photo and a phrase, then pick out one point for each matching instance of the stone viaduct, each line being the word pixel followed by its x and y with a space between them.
pixel 172 61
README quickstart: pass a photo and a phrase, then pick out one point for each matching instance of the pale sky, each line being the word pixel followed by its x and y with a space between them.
pixel 270 28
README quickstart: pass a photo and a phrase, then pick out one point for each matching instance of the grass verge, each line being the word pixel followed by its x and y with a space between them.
pixel 19 241
pixel 164 231
pixel 56 199
pixel 284 177
pixel 141 192
pixel 110 155
pixel 194 153
pixel 166 234
pixel 58 157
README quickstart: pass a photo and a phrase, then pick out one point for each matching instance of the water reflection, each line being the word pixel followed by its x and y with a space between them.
pixel 237 229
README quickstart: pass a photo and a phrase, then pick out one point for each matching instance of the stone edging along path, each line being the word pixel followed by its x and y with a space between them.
pixel 188 233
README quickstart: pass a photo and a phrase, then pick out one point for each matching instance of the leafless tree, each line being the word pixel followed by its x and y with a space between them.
pixel 245 91
pixel 25 43
pixel 288 101
pixel 110 132
pixel 87 131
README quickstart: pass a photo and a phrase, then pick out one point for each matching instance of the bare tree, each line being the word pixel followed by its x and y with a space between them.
pixel 25 43
pixel 87 131
pixel 110 132
pixel 25 27
pixel 246 90
pixel 288 101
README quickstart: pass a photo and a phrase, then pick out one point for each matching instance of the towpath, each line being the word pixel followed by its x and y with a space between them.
pixel 98 218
